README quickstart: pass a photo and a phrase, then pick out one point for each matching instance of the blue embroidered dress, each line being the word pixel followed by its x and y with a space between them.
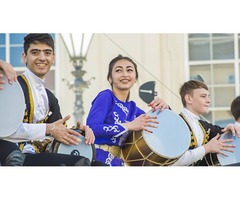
pixel 105 118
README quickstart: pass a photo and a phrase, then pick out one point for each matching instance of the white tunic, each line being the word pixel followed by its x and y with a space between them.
pixel 192 155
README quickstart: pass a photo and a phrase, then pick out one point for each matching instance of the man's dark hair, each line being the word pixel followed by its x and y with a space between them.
pixel 235 108
pixel 34 38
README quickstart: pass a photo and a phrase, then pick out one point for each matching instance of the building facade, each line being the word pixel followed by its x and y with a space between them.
pixel 166 59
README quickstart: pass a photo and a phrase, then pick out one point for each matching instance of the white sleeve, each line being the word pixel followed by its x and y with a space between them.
pixel 190 156
pixel 27 132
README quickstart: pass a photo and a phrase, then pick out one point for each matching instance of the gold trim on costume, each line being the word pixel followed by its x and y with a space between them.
pixel 114 150
pixel 193 137
pixel 30 120
pixel 39 146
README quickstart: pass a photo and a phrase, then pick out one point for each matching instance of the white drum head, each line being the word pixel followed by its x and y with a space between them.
pixel 172 137
pixel 232 157
pixel 12 107
pixel 81 149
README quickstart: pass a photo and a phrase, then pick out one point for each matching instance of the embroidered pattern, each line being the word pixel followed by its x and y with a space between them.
pixel 111 128
pixel 193 143
pixel 109 159
pixel 116 118
pixel 114 140
pixel 123 108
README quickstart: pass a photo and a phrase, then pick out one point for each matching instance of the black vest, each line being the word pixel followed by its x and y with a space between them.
pixel 210 131
pixel 54 109
pixel 53 114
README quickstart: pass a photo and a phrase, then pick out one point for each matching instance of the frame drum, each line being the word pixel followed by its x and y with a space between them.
pixel 12 107
pixel 81 149
pixel 234 157
pixel 162 147
pixel 216 159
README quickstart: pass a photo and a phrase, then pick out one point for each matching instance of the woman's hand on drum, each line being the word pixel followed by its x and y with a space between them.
pixel 63 134
pixel 142 122
pixel 89 135
pixel 158 103
pixel 216 145
pixel 233 128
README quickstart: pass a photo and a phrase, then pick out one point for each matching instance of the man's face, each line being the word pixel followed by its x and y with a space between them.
pixel 39 59
pixel 199 101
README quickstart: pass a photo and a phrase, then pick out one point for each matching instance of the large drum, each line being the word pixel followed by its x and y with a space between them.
pixel 162 147
pixel 233 158
pixel 82 149
pixel 12 107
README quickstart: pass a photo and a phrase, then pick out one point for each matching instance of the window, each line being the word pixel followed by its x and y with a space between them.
pixel 214 58
pixel 2 46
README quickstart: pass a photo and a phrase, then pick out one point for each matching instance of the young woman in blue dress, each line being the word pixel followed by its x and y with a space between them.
pixel 113 115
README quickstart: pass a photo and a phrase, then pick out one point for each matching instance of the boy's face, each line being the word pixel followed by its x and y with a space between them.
pixel 39 59
pixel 198 102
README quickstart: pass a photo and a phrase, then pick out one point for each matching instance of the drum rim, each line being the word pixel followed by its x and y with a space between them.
pixel 18 108
pixel 167 161
pixel 145 134
pixel 221 158
pixel 57 144
pixel 131 141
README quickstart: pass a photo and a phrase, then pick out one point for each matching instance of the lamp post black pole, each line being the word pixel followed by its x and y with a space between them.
pixel 78 87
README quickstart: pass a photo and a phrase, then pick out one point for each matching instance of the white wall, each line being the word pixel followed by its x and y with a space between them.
pixel 160 58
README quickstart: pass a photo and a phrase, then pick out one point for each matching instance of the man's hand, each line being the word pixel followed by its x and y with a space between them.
pixel 89 135
pixel 63 134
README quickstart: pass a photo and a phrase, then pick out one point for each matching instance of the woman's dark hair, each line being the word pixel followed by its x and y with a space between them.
pixel 112 63
pixel 114 60
pixel 34 38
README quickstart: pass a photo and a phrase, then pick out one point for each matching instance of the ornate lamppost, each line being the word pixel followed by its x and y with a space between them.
pixel 77 46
